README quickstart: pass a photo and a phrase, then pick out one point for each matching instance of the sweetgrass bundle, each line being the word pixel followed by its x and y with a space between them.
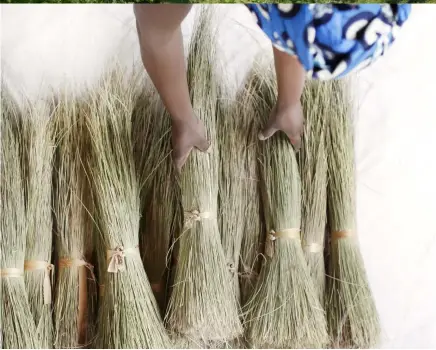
pixel 240 221
pixel 232 202
pixel 202 305
pixel 75 292
pixel 284 310
pixel 159 195
pixel 313 171
pixel 38 270
pixel 253 231
pixel 128 313
pixel 352 314
pixel 18 329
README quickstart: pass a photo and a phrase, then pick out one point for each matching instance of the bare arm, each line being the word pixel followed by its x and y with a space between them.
pixel 287 114
pixel 161 43
pixel 162 53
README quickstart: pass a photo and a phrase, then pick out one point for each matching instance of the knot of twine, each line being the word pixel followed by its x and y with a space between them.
pixel 34 265
pixel 116 258
pixel 194 215
pixel 289 233
pixel 341 234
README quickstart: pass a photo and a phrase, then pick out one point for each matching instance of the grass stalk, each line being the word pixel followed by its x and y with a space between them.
pixel 128 313
pixel 352 314
pixel 313 169
pixel 18 329
pixel 39 271
pixel 284 310
pixel 252 243
pixel 202 306
pixel 75 292
pixel 160 195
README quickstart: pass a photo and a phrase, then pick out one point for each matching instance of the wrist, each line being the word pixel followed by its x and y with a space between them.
pixel 182 117
pixel 284 105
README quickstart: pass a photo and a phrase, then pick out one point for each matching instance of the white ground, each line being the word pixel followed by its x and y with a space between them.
pixel 43 45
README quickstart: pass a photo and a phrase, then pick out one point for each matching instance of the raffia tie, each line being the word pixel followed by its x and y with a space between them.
pixel 313 248
pixel 116 258
pixel 11 272
pixel 34 265
pixel 341 234
pixel 71 262
pixel 195 215
pixel 289 233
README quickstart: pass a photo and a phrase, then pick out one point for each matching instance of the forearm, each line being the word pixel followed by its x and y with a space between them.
pixel 290 78
pixel 162 54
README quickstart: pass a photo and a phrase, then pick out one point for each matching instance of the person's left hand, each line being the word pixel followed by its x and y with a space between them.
pixel 187 134
pixel 288 119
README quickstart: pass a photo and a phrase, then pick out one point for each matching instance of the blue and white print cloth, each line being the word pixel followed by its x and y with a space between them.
pixel 331 40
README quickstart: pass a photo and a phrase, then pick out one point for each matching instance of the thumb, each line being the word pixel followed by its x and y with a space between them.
pixel 267 132
pixel 202 144
pixel 180 160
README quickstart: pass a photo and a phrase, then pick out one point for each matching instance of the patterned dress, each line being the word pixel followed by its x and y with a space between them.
pixel 331 40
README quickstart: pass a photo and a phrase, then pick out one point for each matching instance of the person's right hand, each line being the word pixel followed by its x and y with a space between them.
pixel 288 119
pixel 186 135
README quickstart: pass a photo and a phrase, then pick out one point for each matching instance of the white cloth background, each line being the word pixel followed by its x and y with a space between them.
pixel 43 46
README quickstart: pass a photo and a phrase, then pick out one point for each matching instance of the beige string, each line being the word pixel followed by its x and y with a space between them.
pixel 12 272
pixel 342 234
pixel 33 265
pixel 313 248
pixel 116 258
pixel 82 314
pixel 289 233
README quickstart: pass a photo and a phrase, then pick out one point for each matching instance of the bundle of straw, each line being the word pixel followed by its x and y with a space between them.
pixel 160 202
pixel 352 315
pixel 232 202
pixel 202 305
pixel 75 292
pixel 17 326
pixel 313 170
pixel 38 268
pixel 253 231
pixel 128 313
pixel 284 311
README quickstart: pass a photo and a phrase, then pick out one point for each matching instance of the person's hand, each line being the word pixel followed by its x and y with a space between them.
pixel 186 135
pixel 288 119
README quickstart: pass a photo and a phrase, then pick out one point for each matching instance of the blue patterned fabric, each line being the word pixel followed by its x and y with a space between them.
pixel 331 40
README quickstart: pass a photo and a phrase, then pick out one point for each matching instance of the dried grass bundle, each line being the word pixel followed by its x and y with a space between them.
pixel 38 272
pixel 160 202
pixel 352 314
pixel 284 311
pixel 202 306
pixel 313 170
pixel 231 133
pixel 18 329
pixel 253 237
pixel 128 313
pixel 75 293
